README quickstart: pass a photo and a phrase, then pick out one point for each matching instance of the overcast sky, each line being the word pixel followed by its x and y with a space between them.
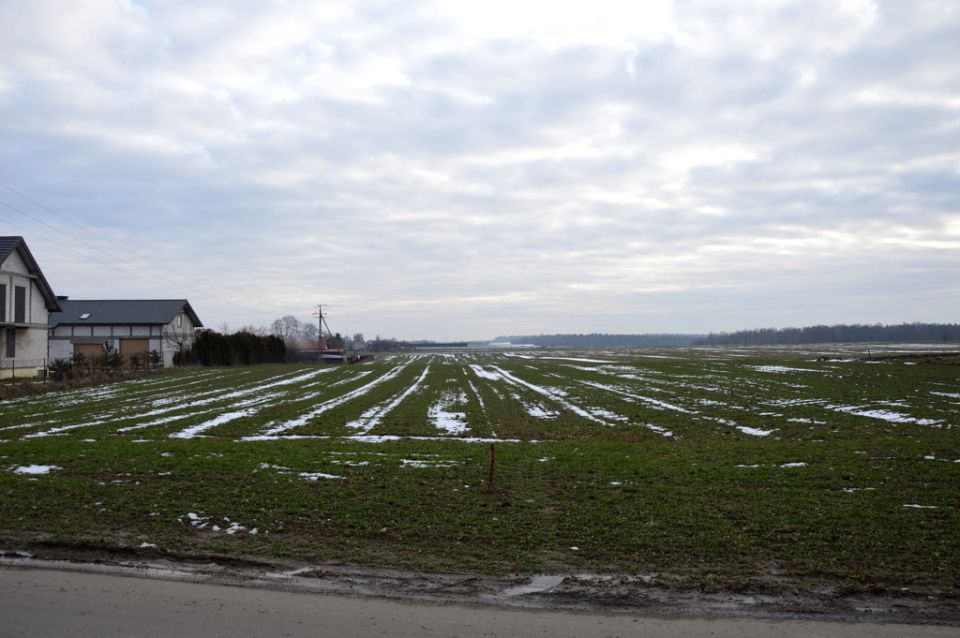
pixel 455 170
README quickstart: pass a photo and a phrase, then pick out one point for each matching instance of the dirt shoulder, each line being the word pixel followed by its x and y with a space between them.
pixel 613 593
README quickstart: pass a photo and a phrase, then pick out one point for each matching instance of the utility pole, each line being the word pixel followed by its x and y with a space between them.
pixel 319 315
pixel 321 322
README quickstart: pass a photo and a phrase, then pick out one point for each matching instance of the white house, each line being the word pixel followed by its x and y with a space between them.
pixel 131 326
pixel 26 301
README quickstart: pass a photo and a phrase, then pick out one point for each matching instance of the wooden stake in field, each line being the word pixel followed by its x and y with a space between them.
pixel 493 456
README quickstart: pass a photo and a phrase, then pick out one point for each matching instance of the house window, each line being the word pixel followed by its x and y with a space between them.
pixel 179 321
pixel 3 302
pixel 19 304
pixel 11 343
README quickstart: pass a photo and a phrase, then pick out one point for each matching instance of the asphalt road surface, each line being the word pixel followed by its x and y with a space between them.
pixel 36 603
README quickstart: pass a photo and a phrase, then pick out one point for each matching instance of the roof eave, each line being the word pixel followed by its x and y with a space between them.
pixel 48 295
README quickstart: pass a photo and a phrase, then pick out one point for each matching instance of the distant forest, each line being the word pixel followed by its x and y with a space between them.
pixel 596 340
pixel 760 337
pixel 835 334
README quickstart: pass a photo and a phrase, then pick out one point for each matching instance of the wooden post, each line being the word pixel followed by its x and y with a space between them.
pixel 493 455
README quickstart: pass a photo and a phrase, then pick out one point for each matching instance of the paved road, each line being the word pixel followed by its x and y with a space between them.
pixel 37 603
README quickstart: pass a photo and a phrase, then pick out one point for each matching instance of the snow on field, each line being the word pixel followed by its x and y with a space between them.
pixel 552 393
pixel 476 393
pixel 580 359
pixel 355 377
pixel 445 419
pixel 782 369
pixel 604 413
pixel 310 476
pixel 217 396
pixel 883 415
pixel 206 523
pixel 484 374
pixel 807 421
pixel 419 463
pixel 316 476
pixel 35 470
pixel 743 428
pixel 536 410
pixel 195 430
pixel 651 402
pixel 305 418
pixel 371 418
pixel 949 395
pixel 66 428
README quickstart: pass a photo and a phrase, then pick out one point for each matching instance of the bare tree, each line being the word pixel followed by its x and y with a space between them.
pixel 359 343
pixel 180 337
pixel 286 327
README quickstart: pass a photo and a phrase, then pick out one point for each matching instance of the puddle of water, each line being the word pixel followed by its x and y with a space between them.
pixel 537 585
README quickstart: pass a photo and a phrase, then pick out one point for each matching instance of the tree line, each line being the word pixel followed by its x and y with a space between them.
pixel 851 333
pixel 600 340
pixel 240 348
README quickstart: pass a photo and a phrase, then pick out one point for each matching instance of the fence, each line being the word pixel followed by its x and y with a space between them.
pixel 13 369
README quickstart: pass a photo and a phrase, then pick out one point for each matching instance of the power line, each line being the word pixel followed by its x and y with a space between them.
pixel 188 283
pixel 154 278
pixel 65 218
pixel 88 244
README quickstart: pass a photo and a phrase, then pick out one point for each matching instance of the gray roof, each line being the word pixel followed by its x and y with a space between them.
pixel 7 246
pixel 122 312
pixel 10 244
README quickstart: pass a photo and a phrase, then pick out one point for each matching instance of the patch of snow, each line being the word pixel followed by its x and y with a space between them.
pixel 371 418
pixel 425 464
pixel 920 507
pixel 445 419
pixel 303 419
pixel 476 393
pixel 194 430
pixel 651 402
pixel 35 469
pixel 883 415
pixel 607 414
pixel 552 394
pixel 949 395
pixel 64 428
pixel 795 464
pixel 316 476
pixel 782 369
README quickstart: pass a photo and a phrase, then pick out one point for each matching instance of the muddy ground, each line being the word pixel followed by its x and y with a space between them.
pixel 643 594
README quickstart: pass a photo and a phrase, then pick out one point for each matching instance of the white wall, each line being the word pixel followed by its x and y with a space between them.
pixel 180 330
pixel 31 341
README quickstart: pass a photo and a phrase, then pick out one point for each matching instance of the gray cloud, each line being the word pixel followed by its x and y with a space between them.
pixel 438 170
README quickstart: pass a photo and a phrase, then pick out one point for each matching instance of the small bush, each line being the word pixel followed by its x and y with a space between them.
pixel 61 369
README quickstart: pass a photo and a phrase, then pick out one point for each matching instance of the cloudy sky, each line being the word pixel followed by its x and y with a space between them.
pixel 456 169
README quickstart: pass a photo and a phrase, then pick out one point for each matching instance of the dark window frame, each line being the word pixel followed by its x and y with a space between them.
pixel 11 346
pixel 3 302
